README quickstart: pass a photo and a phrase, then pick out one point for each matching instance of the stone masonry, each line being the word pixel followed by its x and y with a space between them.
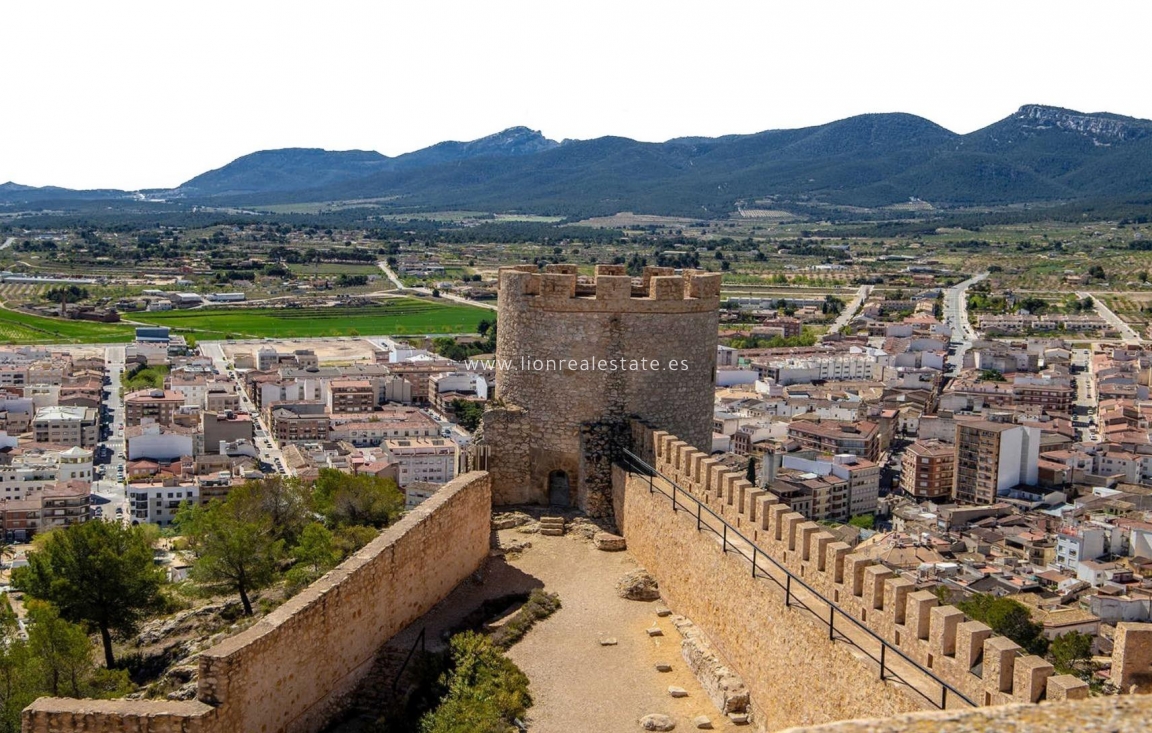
pixel 292 671
pixel 576 357
pixel 795 675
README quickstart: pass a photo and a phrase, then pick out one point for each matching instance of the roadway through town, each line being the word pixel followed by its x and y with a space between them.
pixel 956 316
pixel 109 493
pixel 851 309
pixel 391 275
pixel 1126 332
pixel 270 453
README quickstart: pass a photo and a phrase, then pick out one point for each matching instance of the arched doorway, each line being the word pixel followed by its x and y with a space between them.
pixel 558 492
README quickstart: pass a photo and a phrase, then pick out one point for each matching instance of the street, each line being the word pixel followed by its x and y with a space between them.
pixel 108 493
pixel 1126 332
pixel 388 272
pixel 850 310
pixel 956 316
pixel 269 452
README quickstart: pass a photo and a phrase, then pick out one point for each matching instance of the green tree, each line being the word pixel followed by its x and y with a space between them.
pixel 62 649
pixel 234 543
pixel 285 499
pixel 66 294
pixel 1071 653
pixel 468 413
pixel 486 691
pixel 1008 618
pixel 315 555
pixel 863 521
pixel 346 499
pixel 100 574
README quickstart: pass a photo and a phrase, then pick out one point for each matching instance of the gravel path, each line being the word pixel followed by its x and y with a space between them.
pixel 580 686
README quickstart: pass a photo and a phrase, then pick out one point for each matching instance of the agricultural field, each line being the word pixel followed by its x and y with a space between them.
pixel 399 316
pixel 24 328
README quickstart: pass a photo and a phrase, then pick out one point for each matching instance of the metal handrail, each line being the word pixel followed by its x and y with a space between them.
pixel 638 465
pixel 418 643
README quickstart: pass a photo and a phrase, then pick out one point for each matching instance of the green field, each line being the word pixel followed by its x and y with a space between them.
pixel 24 328
pixel 400 316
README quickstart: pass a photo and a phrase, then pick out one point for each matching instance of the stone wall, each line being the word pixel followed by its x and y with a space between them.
pixel 772 647
pixel 1128 714
pixel 587 335
pixel 291 671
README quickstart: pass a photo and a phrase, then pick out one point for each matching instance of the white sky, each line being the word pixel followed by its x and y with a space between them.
pixel 132 94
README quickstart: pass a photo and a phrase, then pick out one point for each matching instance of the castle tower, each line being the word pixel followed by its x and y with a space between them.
pixel 576 357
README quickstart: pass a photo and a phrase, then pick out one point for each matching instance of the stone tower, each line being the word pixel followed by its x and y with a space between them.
pixel 577 356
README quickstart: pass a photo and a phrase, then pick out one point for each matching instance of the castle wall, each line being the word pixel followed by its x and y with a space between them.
pixel 573 353
pixel 795 674
pixel 1128 714
pixel 291 671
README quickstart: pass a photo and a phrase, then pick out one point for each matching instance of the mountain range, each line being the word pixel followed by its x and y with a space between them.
pixel 1038 154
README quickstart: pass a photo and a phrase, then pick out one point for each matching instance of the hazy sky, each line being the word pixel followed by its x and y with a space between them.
pixel 149 94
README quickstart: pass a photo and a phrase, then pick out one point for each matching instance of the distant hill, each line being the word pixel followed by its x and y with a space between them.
pixel 1037 154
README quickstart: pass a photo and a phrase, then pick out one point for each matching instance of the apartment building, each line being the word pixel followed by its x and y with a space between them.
pixel 25 471
pixel 57 505
pixel 928 470
pixel 295 422
pixel 155 405
pixel 992 457
pixel 67 425
pixel 350 395
pixel 227 427
pixel 427 460
pixel 836 437
pixel 157 502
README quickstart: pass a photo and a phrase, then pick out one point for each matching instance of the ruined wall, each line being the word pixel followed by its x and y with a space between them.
pixel 795 674
pixel 661 334
pixel 290 672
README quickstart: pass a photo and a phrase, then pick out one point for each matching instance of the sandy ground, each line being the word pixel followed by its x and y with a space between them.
pixel 328 351
pixel 577 685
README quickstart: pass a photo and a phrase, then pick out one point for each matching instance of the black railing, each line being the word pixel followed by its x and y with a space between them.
pixel 732 540
pixel 418 643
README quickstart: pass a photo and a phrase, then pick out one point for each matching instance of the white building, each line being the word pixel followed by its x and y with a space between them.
pixel 39 469
pixel 159 443
pixel 429 460
pixel 157 503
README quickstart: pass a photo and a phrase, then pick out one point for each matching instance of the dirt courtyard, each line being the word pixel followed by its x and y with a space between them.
pixel 577 685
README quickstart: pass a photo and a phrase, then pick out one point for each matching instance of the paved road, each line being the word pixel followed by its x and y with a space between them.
pixel 851 309
pixel 427 291
pixel 956 316
pixel 109 492
pixel 1086 398
pixel 8 243
pixel 1126 332
pixel 269 452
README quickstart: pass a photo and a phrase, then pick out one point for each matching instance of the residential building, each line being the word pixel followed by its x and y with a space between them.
pixel 992 457
pixel 928 470
pixel 428 460
pixel 836 437
pixel 67 425
pixel 152 405
pixel 227 427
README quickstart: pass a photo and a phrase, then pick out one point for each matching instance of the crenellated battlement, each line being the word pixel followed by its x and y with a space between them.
pixel 561 287
pixel 986 668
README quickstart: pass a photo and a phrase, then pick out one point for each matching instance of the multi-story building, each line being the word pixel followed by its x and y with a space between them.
pixel 992 457
pixel 818 498
pixel 391 423
pixel 63 425
pixel 860 476
pixel 224 426
pixel 155 405
pixel 157 502
pixel 29 470
pixel 350 395
pixel 64 504
pixel 428 460
pixel 928 470
pixel 296 422
pixel 860 438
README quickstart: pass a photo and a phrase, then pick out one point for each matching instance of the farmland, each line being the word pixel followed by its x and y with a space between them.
pixel 399 316
pixel 24 328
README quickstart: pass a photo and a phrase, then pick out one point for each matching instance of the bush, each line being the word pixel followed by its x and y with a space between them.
pixel 486 691
pixel 539 606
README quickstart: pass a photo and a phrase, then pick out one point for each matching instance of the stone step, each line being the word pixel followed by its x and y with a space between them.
pixel 551 532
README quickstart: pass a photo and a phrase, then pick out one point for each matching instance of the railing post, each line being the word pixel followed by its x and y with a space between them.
pixel 697 515
pixel 725 536
pixel 831 622
pixel 673 497
pixel 753 561
pixel 650 477
pixel 883 649
pixel 943 697
pixel 788 590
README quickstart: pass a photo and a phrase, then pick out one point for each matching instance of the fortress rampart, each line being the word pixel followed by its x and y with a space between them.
pixel 795 674
pixel 578 356
pixel 291 671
